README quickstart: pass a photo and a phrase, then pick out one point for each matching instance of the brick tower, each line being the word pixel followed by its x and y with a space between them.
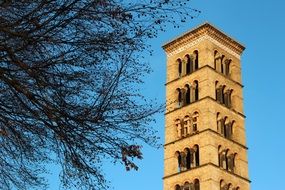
pixel 205 142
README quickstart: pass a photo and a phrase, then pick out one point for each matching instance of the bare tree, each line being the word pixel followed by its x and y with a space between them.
pixel 69 75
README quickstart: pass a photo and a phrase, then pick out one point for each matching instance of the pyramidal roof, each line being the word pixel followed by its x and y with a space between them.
pixel 204 30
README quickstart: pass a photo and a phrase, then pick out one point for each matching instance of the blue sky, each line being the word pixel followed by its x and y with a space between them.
pixel 260 26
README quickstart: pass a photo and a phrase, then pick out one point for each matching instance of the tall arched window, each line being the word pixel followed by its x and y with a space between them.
pixel 196 155
pixel 179 160
pixel 222 64
pixel 219 93
pixel 188 158
pixel 230 186
pixel 217 61
pixel 183 161
pixel 231 162
pixel 177 187
pixel 186 126
pixel 179 62
pixel 196 86
pixel 196 60
pixel 196 184
pixel 228 130
pixel 230 99
pixel 227 98
pixel 217 90
pixel 187 94
pixel 179 128
pixel 227 66
pixel 223 158
pixel 195 121
pixel 223 94
pixel 224 128
pixel 189 64
pixel 219 123
pixel 187 186
pixel 179 97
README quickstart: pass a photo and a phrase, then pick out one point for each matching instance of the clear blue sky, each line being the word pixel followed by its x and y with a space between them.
pixel 260 26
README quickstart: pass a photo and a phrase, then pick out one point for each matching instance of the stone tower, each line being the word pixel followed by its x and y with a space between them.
pixel 205 141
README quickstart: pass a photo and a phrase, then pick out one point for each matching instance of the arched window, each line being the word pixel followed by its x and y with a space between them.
pixel 222 183
pixel 179 128
pixel 186 125
pixel 228 130
pixel 179 97
pixel 177 187
pixel 220 124
pixel 229 103
pixel 227 98
pixel 179 160
pixel 230 186
pixel 222 64
pixel 196 95
pixel 179 61
pixel 196 60
pixel 196 184
pixel 217 61
pixel 224 186
pixel 217 90
pixel 196 155
pixel 187 95
pixel 219 93
pixel 188 158
pixel 195 121
pixel 223 94
pixel 223 159
pixel 219 154
pixel 187 186
pixel 189 64
pixel 231 162
pixel 227 66
pixel 225 121
pixel 183 161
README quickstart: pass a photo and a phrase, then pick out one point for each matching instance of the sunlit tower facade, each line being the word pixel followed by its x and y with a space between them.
pixel 205 139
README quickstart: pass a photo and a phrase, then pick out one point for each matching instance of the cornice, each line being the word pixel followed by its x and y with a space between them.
pixel 208 130
pixel 208 164
pixel 205 66
pixel 207 98
pixel 201 33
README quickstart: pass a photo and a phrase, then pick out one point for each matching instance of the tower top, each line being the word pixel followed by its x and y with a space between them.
pixel 204 31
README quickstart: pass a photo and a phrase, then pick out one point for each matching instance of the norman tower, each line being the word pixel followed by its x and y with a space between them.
pixel 205 145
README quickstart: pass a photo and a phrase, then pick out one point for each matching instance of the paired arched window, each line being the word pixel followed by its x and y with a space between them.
pixel 187 159
pixel 179 62
pixel 187 126
pixel 225 126
pixel 227 186
pixel 226 159
pixel 221 63
pixel 223 95
pixel 188 94
pixel 195 185
pixel 189 64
